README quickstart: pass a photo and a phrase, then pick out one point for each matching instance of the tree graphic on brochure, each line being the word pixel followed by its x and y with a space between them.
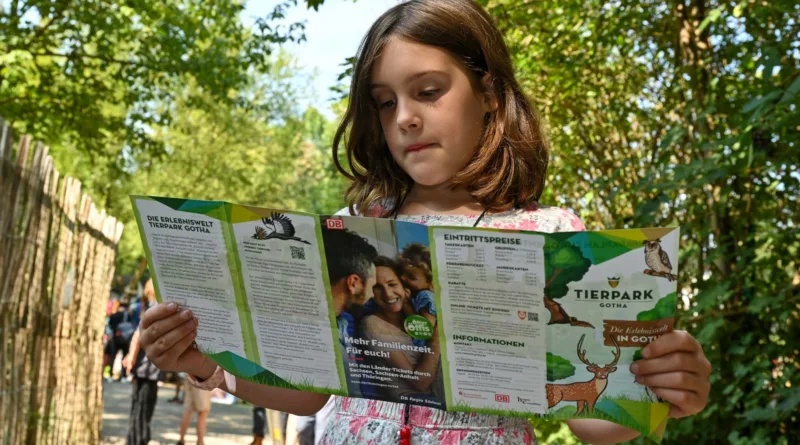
pixel 563 263
pixel 558 368
pixel 665 308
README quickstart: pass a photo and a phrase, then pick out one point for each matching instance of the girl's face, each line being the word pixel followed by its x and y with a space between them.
pixel 431 109
pixel 416 279
pixel 388 290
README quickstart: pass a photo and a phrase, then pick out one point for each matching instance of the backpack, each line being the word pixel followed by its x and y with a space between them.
pixel 125 328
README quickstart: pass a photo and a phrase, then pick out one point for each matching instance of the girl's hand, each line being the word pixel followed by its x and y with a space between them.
pixel 677 370
pixel 166 335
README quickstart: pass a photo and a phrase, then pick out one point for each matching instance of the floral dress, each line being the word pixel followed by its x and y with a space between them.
pixel 374 422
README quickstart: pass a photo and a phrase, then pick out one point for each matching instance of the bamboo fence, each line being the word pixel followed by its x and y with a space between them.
pixel 57 253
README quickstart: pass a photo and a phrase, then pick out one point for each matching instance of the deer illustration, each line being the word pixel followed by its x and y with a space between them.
pixel 585 393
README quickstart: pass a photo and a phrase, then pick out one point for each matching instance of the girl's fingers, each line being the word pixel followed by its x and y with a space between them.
pixel 164 325
pixel 675 380
pixel 677 361
pixel 178 348
pixel 156 313
pixel 684 403
pixel 675 341
pixel 162 334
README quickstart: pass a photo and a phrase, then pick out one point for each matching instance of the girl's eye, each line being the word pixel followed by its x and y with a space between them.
pixel 431 92
pixel 386 104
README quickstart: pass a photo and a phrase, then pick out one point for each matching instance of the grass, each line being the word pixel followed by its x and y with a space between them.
pixel 566 412
pixel 304 385
pixel 464 406
pixel 570 411
pixel 268 378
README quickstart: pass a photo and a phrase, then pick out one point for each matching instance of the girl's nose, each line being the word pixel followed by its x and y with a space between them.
pixel 407 118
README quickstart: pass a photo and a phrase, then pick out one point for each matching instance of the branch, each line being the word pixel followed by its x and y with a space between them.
pixel 73 56
pixel 39 32
pixel 549 282
pixel 727 313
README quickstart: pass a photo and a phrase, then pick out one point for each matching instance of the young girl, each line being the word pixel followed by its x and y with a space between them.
pixel 439 132
pixel 415 262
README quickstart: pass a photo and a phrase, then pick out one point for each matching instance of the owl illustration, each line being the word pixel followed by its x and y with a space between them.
pixel 657 259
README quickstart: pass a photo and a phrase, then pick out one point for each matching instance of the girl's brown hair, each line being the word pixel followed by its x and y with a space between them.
pixel 508 169
pixel 416 256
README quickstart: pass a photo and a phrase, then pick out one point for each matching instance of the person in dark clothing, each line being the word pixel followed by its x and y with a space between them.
pixel 122 329
pixel 259 425
pixel 145 389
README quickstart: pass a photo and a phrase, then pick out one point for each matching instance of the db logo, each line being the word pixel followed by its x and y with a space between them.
pixel 334 224
pixel 502 398
pixel 522 315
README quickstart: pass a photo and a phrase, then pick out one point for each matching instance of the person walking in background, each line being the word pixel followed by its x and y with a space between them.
pixel 195 401
pixel 259 425
pixel 122 330
pixel 145 387
pixel 179 378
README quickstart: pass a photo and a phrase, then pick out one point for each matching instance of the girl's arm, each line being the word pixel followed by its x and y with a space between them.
pixel 596 431
pixel 428 316
pixel 290 401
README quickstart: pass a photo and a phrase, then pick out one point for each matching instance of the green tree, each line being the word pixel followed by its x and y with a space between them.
pixel 664 308
pixel 558 368
pixel 563 264
pixel 87 73
pixel 685 112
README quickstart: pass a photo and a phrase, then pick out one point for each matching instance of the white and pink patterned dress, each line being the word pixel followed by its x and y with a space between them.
pixel 372 422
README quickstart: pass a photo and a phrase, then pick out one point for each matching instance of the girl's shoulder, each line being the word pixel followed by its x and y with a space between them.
pixel 536 217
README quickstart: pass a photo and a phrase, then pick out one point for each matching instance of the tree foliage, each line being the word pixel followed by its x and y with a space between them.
pixel 686 112
pixel 564 263
pixel 89 72
pixel 558 368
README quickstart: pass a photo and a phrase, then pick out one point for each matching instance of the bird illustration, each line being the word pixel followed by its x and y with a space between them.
pixel 261 233
pixel 657 259
pixel 559 316
pixel 277 226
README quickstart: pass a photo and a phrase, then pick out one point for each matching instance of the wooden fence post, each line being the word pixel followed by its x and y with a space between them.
pixel 57 254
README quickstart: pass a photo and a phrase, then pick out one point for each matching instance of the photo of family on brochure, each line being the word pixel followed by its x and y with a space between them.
pixel 381 280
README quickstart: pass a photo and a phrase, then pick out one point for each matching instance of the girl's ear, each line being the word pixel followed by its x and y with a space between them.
pixel 490 103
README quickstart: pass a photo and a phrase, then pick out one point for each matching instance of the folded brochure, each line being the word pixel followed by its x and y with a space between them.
pixel 501 322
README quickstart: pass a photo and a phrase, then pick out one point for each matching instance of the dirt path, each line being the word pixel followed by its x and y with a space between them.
pixel 227 424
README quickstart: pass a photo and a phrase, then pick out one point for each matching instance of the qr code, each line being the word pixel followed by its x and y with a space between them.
pixel 533 316
pixel 298 253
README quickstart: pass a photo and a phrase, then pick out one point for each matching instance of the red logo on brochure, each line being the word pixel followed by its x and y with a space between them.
pixel 522 315
pixel 334 224
pixel 502 398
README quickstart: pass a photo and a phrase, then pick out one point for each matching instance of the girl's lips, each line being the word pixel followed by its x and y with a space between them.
pixel 417 147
